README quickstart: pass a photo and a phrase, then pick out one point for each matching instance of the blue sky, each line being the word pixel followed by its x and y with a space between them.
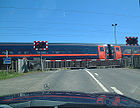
pixel 68 21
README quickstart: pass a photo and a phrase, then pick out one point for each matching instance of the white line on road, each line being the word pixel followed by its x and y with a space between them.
pixel 74 70
pixel 116 90
pixel 100 84
pixel 96 74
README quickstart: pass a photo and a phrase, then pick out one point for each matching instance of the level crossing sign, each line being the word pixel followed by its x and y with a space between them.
pixel 7 60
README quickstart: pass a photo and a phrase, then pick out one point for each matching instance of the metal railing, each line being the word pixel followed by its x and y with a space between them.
pixel 58 64
pixel 81 64
pixel 127 62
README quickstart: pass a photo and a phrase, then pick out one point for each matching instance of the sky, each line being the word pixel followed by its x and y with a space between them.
pixel 69 21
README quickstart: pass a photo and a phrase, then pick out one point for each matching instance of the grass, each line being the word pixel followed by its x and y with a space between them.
pixel 7 75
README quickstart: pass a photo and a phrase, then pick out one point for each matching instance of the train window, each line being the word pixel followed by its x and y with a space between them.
pixel 11 52
pixel 58 51
pixel 107 51
pixel 23 51
pixel 127 51
pixel 43 52
pixel 26 52
pixel 19 52
pixel 87 50
pixel 91 50
pixel 117 49
pixel 53 52
pixel 101 49
pixel 74 51
pixel 136 50
pixel 3 52
pixel 38 52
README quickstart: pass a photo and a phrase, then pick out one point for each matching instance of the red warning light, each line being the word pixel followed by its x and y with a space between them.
pixel 37 43
pixel 132 41
pixel 40 45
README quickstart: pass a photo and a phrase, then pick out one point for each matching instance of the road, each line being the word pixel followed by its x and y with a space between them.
pixel 119 80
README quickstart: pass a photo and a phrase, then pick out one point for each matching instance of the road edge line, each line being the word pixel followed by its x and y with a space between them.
pixel 116 90
pixel 100 84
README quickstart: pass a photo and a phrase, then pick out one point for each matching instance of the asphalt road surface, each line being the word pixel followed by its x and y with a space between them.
pixel 121 81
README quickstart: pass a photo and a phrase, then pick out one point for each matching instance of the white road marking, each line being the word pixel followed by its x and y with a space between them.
pixel 74 70
pixel 100 84
pixel 116 90
pixel 96 74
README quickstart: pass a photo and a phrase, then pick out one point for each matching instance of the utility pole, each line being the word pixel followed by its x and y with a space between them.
pixel 115 26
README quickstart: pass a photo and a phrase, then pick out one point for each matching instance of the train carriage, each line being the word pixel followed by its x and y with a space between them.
pixel 62 51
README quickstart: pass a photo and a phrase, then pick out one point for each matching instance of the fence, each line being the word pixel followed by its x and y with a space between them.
pixel 25 65
pixel 127 62
pixel 136 61
pixel 22 65
pixel 13 67
pixel 50 64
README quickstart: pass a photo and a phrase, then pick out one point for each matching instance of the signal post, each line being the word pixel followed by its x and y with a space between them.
pixel 41 46
pixel 132 41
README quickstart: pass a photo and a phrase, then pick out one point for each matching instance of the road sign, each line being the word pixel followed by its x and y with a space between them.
pixel 7 60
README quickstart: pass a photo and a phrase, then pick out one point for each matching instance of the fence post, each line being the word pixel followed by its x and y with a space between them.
pixel 12 66
pixel 47 65
pixel 16 65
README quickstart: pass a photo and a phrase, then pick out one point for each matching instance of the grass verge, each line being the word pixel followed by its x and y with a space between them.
pixel 8 75
pixel 5 75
